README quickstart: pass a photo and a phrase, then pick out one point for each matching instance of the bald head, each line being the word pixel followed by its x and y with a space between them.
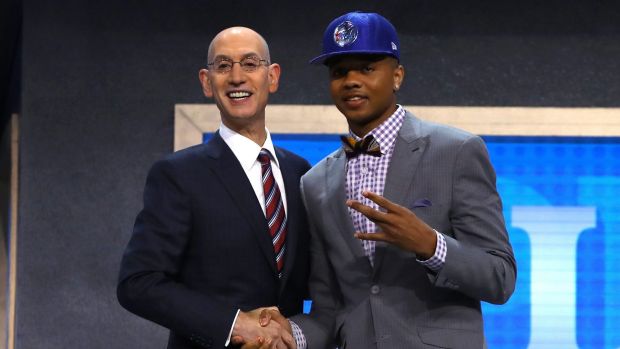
pixel 239 34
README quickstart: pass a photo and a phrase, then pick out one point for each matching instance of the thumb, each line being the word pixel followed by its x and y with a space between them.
pixel 275 315
pixel 264 318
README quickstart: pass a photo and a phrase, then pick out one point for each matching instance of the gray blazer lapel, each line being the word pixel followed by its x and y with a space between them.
pixel 336 198
pixel 408 151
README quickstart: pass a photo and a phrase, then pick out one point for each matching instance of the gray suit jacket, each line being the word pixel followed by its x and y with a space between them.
pixel 399 303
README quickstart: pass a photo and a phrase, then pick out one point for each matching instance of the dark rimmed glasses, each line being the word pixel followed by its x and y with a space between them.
pixel 248 64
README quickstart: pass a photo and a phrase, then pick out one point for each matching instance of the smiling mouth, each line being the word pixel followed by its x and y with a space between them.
pixel 354 101
pixel 238 95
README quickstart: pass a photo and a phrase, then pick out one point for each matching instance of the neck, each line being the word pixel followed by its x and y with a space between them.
pixel 362 129
pixel 253 131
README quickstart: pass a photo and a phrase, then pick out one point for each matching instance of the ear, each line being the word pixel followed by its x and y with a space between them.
pixel 399 76
pixel 203 76
pixel 274 77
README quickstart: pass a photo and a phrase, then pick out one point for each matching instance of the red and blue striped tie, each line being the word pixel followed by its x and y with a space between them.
pixel 274 209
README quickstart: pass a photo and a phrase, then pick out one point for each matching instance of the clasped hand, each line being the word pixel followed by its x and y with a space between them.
pixel 398 226
pixel 255 330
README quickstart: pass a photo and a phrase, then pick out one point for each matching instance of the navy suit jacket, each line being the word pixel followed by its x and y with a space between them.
pixel 201 249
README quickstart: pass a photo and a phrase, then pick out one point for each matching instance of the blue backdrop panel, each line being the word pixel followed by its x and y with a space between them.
pixel 562 208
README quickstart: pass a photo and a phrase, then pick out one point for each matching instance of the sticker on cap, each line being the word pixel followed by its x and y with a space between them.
pixel 345 34
pixel 394 46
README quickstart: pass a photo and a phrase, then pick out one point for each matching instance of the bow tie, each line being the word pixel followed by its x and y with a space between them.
pixel 367 145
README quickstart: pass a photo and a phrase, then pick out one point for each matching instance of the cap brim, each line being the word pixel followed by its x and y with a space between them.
pixel 322 58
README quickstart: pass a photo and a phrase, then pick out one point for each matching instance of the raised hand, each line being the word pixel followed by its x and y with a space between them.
pixel 399 226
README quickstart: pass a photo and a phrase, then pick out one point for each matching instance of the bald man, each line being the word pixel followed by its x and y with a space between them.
pixel 222 233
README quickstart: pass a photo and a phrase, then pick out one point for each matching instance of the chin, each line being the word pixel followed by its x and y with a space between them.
pixel 350 113
pixel 359 117
pixel 242 113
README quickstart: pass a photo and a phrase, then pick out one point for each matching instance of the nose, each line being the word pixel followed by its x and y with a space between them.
pixel 236 75
pixel 352 79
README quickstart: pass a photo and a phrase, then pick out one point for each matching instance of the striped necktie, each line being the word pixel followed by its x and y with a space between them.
pixel 274 209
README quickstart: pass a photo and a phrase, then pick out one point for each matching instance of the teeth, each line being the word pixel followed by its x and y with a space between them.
pixel 239 94
pixel 354 98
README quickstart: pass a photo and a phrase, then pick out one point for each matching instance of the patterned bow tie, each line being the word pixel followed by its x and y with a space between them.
pixel 367 145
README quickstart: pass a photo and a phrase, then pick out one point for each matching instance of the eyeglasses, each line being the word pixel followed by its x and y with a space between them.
pixel 248 64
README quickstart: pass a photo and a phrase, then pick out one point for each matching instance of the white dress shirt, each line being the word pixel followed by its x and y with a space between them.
pixel 246 151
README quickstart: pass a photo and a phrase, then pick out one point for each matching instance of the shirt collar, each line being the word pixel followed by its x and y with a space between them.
pixel 245 149
pixel 386 132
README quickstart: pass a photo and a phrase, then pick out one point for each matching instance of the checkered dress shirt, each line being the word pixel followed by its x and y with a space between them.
pixel 367 172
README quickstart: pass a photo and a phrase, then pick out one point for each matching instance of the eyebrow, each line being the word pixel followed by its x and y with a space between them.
pixel 249 54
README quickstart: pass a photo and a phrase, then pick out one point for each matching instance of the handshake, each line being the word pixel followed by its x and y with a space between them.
pixel 263 328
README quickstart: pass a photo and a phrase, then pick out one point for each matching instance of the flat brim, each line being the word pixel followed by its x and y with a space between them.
pixel 322 58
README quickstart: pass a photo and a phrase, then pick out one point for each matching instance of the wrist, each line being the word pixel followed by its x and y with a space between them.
pixel 242 318
pixel 429 247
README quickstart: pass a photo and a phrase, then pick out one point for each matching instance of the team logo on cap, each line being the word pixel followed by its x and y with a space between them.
pixel 345 34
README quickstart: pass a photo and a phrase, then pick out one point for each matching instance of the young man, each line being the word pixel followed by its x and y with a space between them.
pixel 223 231
pixel 407 229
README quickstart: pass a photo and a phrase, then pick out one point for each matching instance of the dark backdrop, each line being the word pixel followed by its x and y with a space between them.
pixel 99 83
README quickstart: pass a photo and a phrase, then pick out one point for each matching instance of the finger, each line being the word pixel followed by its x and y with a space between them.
pixel 275 315
pixel 369 212
pixel 288 340
pixel 269 343
pixel 380 200
pixel 257 344
pixel 279 345
pixel 265 317
pixel 372 237
pixel 236 340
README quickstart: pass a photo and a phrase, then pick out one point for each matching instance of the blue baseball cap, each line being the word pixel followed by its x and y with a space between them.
pixel 359 33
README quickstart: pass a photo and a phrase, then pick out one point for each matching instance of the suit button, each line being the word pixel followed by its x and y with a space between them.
pixel 375 289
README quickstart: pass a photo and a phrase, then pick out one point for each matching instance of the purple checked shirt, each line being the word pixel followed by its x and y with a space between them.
pixel 367 172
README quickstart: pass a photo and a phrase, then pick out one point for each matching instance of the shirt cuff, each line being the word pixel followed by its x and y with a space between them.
pixel 436 262
pixel 300 339
pixel 231 328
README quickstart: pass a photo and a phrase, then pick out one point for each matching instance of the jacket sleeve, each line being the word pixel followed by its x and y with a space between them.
pixel 479 262
pixel 150 269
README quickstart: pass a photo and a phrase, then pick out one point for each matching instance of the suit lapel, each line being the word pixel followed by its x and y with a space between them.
pixel 336 198
pixel 408 151
pixel 230 173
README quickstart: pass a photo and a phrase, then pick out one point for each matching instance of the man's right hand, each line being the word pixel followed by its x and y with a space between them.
pixel 266 334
